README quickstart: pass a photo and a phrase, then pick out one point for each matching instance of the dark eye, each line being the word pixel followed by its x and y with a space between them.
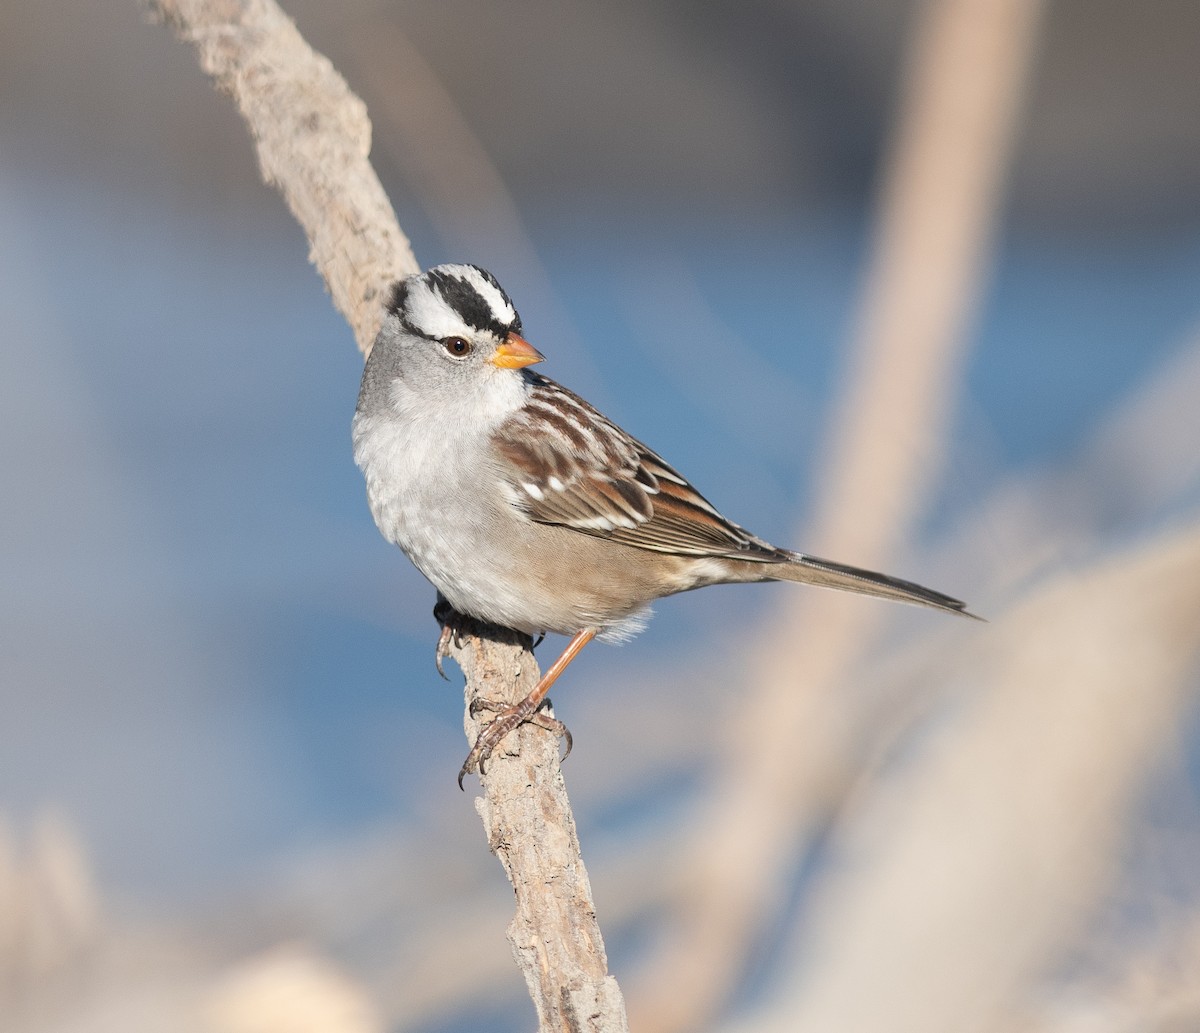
pixel 457 346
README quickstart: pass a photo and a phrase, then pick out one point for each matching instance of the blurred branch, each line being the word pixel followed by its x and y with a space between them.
pixel 50 920
pixel 313 137
pixel 792 739
pixel 1001 834
pixel 1157 989
pixel 469 205
pixel 288 988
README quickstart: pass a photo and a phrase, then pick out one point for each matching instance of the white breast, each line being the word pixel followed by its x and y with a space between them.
pixel 434 491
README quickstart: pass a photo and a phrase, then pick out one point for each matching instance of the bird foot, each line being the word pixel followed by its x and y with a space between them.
pixel 451 622
pixel 506 720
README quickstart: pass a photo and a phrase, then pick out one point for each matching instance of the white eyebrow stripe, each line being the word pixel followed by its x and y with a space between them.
pixel 496 301
pixel 432 316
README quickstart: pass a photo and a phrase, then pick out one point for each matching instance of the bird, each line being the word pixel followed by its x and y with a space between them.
pixel 526 507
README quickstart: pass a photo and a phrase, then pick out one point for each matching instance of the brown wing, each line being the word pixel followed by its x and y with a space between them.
pixel 568 465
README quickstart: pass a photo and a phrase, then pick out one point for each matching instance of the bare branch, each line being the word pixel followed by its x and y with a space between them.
pixel 554 934
pixel 313 137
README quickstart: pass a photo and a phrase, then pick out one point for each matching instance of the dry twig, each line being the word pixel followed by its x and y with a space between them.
pixel 554 934
pixel 312 137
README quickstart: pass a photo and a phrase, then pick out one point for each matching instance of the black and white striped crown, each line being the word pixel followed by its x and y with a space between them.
pixel 447 299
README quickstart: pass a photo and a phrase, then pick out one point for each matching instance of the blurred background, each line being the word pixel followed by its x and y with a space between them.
pixel 227 796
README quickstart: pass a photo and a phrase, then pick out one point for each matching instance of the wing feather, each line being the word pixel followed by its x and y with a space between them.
pixel 567 465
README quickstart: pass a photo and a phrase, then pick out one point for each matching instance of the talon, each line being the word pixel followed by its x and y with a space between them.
pixel 451 621
pixel 442 652
pixel 566 734
pixel 554 726
pixel 495 731
pixel 479 703
pixel 508 719
pixel 476 759
pixel 527 709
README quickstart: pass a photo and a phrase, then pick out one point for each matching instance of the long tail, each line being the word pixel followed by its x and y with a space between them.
pixel 813 571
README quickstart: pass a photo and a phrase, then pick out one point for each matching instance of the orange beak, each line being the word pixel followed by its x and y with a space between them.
pixel 515 352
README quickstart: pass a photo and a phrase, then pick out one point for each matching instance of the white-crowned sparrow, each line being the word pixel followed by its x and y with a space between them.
pixel 526 507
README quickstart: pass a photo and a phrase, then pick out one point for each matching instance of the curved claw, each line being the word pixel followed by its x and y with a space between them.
pixel 566 734
pixel 478 756
pixel 442 651
pixel 451 622
pixel 479 703
pixel 555 727
pixel 526 710
pixel 450 633
pixel 508 719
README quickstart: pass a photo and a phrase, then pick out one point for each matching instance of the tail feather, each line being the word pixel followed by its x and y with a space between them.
pixel 814 571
